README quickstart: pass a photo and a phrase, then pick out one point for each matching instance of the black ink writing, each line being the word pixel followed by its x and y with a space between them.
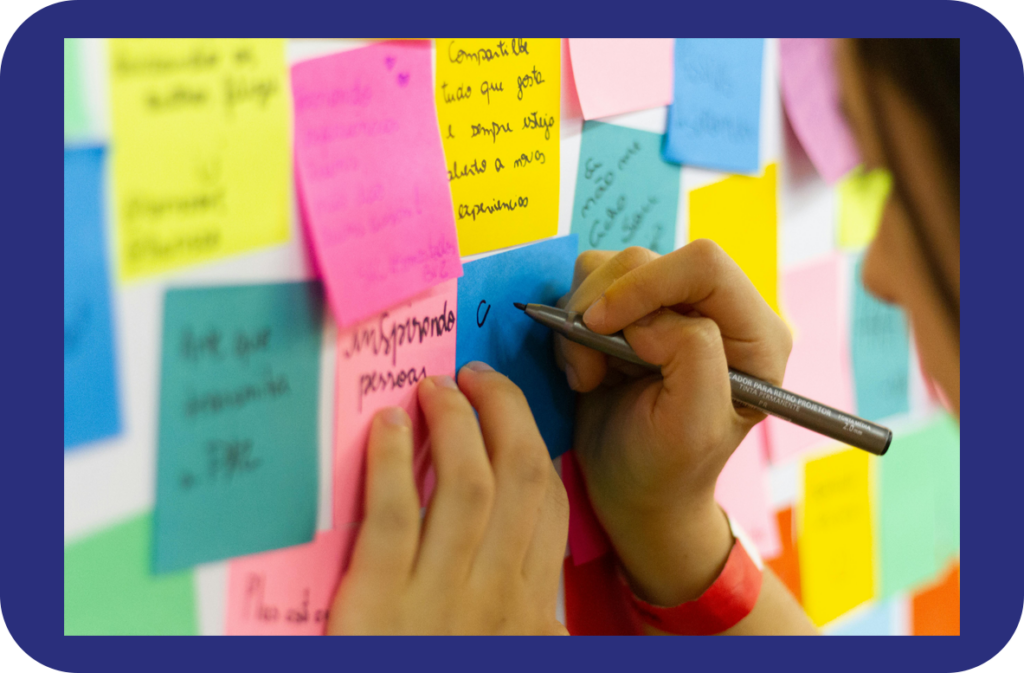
pixel 270 387
pixel 497 205
pixel 461 93
pixel 530 79
pixel 480 321
pixel 258 610
pixel 486 88
pixel 383 381
pixel 526 159
pixel 467 170
pixel 494 130
pixel 534 122
pixel 385 338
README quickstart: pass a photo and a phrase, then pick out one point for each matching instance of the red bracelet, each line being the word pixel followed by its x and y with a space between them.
pixel 728 600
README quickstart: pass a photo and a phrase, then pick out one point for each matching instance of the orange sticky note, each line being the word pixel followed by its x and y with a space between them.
pixel 740 214
pixel 786 565
pixel 936 609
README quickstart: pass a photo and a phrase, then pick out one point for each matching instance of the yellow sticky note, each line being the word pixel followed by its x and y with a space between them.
pixel 834 540
pixel 862 198
pixel 201 150
pixel 498 109
pixel 740 214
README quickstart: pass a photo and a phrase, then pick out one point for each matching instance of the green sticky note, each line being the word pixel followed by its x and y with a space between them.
pixel 237 446
pixel 862 198
pixel 76 120
pixel 626 193
pixel 944 437
pixel 109 588
pixel 907 535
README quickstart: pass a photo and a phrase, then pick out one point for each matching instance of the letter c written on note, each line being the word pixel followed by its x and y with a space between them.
pixel 480 321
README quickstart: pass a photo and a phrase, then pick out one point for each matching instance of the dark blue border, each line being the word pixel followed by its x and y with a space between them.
pixel 992 179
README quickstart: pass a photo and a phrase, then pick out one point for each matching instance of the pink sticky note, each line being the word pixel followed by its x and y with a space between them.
pixel 617 75
pixel 810 92
pixel 380 363
pixel 372 176
pixel 570 99
pixel 819 366
pixel 287 592
pixel 742 491
pixel 587 539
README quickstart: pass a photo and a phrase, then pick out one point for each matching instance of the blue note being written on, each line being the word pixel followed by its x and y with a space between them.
pixel 492 330
pixel 715 117
pixel 881 354
pixel 626 194
pixel 237 455
pixel 90 378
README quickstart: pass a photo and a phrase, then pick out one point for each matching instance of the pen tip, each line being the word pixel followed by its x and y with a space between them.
pixel 521 307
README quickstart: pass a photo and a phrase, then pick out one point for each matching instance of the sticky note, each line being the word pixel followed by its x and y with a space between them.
pixel 861 200
pixel 714 121
pixel 587 539
pixel 835 536
pixel 76 118
pixel 875 621
pixel 919 506
pixel 819 365
pixel 380 363
pixel 740 214
pixel 110 590
pixel 288 592
pixel 619 75
pixel 742 491
pixel 237 454
pixel 498 108
pixel 786 565
pixel 935 610
pixel 90 380
pixel 494 331
pixel 202 153
pixel 810 93
pixel 880 347
pixel 371 172
pixel 626 194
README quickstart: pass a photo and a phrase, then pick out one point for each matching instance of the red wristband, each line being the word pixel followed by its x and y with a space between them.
pixel 728 600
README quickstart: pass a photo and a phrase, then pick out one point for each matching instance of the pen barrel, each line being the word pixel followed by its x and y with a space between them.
pixel 842 427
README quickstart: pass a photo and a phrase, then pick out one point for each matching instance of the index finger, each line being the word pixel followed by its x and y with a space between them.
pixel 700 276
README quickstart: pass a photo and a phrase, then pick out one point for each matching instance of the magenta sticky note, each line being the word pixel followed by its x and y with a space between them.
pixel 380 363
pixel 810 92
pixel 372 176
pixel 288 592
pixel 819 366
pixel 618 75
pixel 742 491
pixel 587 539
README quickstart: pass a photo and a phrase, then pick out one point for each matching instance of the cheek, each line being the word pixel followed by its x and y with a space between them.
pixel 885 261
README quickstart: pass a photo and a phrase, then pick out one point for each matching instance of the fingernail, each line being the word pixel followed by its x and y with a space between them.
pixel 594 315
pixel 478 366
pixel 395 416
pixel 445 381
pixel 572 377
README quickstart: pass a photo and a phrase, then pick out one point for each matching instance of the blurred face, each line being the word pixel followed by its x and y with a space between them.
pixel 895 267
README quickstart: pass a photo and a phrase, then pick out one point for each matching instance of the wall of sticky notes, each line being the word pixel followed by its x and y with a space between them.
pixel 265 241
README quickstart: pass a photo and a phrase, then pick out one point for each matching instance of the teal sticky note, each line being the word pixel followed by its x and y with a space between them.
pixel 880 346
pixel 237 454
pixel 626 193
pixel 876 621
pixel 76 120
pixel 715 117
pixel 907 536
pixel 491 329
pixel 90 379
pixel 110 588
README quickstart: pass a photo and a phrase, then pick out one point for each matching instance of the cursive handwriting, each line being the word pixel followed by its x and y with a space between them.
pixel 385 338
pixel 494 130
pixel 472 211
pixel 533 121
pixel 530 79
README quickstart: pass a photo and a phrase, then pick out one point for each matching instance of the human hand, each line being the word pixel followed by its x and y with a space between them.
pixel 487 557
pixel 651 447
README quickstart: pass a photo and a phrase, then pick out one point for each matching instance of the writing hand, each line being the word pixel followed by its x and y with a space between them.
pixel 651 447
pixel 487 557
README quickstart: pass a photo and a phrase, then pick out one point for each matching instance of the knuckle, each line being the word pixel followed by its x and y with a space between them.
pixel 393 515
pixel 632 257
pixel 704 335
pixel 707 253
pixel 474 487
pixel 588 261
pixel 529 469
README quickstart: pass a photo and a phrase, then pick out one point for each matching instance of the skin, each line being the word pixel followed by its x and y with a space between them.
pixel 487 557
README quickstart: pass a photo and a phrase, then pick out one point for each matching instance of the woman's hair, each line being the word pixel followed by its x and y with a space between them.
pixel 928 73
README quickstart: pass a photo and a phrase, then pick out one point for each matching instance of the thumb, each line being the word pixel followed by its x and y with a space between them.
pixel 695 385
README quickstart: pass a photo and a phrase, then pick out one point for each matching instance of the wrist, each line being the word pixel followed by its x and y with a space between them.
pixel 672 555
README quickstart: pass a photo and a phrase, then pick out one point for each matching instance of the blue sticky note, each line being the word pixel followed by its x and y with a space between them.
pixel 237 454
pixel 90 380
pixel 626 193
pixel 881 354
pixel 877 621
pixel 714 120
pixel 492 330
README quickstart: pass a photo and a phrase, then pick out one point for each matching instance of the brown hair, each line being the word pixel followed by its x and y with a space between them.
pixel 927 71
